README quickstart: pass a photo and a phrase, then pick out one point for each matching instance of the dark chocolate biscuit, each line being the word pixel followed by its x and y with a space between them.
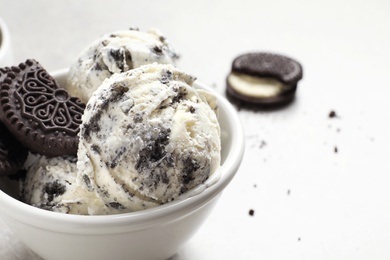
pixel 263 64
pixel 40 114
pixel 263 80
pixel 12 153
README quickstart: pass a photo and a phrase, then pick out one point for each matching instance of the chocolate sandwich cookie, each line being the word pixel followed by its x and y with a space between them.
pixel 12 153
pixel 263 80
pixel 40 114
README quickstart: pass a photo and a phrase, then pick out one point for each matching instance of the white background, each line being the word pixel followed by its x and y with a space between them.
pixel 309 202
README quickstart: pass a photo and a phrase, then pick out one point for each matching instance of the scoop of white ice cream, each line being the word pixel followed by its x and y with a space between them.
pixel 48 180
pixel 114 53
pixel 147 137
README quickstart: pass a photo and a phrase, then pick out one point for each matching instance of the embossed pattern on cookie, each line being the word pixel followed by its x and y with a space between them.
pixel 12 153
pixel 43 116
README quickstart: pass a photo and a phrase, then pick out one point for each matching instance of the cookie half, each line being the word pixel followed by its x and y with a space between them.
pixel 263 80
pixel 12 153
pixel 40 114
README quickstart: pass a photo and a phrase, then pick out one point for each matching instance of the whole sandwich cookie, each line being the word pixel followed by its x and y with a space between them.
pixel 263 80
pixel 40 114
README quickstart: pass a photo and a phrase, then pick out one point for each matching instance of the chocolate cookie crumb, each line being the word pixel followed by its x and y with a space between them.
pixel 251 212
pixel 262 144
pixel 332 114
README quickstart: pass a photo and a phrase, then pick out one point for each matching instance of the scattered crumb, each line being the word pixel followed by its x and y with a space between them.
pixel 254 185
pixel 336 150
pixel 251 212
pixel 332 114
pixel 288 192
pixel 299 239
pixel 262 144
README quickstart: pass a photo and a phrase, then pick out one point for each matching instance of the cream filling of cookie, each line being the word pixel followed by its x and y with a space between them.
pixel 255 86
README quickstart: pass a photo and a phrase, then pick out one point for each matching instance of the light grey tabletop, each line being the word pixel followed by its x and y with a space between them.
pixel 309 201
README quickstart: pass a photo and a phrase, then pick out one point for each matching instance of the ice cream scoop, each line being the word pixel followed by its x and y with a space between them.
pixel 48 180
pixel 114 53
pixel 147 137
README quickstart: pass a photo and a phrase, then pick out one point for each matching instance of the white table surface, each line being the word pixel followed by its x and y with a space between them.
pixel 309 201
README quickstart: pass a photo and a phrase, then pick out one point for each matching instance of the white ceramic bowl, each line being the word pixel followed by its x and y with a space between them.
pixel 154 233
pixel 6 56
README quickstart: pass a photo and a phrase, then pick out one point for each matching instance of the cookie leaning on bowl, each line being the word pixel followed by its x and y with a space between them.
pixel 39 113
pixel 12 152
pixel 263 80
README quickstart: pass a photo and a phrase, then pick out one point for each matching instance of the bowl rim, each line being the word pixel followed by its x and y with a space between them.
pixel 5 40
pixel 44 219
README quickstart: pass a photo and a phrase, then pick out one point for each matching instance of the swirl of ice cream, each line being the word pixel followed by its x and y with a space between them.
pixel 147 137
pixel 114 53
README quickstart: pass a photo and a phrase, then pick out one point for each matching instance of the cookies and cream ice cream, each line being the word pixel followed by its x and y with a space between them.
pixel 51 184
pixel 114 53
pixel 147 137
pixel 48 180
